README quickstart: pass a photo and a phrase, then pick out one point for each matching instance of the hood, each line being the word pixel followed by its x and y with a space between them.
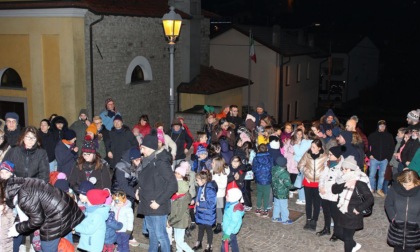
pixel 58 119
pixel 400 189
pixel 13 186
pixel 330 112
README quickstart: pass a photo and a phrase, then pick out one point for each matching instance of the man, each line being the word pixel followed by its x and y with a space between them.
pixel 80 127
pixel 233 117
pixel 348 149
pixel 351 125
pixel 109 113
pixel 259 113
pixel 381 148
pixel 102 131
pixel 121 139
pixel 157 183
pixel 413 120
pixel 182 140
pixel 12 129
pixel 329 125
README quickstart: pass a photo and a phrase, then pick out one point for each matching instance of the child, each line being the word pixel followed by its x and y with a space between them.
pixel 84 188
pixel 328 199
pixel 236 172
pixel 262 135
pixel 92 228
pixel 261 166
pixel 110 234
pixel 232 220
pixel 179 216
pixel 287 133
pixel 7 170
pixel 200 140
pixel 219 174
pixel 124 214
pixel 281 187
pixel 205 208
pixel 200 162
pixel 244 152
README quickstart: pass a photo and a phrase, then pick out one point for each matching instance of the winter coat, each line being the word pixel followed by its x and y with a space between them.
pixel 230 136
pixel 232 218
pixel 350 220
pixel 48 143
pixel 111 228
pixel 80 174
pixel 381 145
pixel 394 162
pixel 221 181
pixel 409 150
pixel 12 136
pixel 334 126
pixel 199 165
pixel 205 209
pixel 350 150
pixel 415 162
pixel 261 166
pixel 236 120
pixel 66 158
pixel 241 170
pixel 49 209
pixel 327 179
pixel 125 178
pixel 120 141
pixel 281 182
pixel 156 182
pixel 58 134
pixel 289 154
pixel 144 130
pixel 125 215
pixel 29 163
pixel 180 215
pixel 92 229
pixel 312 168
pixel 107 121
pixel 79 127
pixel 300 149
pixel 181 139
pixel 170 145
pixel 225 150
pixel 6 221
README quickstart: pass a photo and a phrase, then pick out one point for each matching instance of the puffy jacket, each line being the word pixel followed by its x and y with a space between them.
pixel 261 166
pixel 102 175
pixel 125 179
pixel 312 168
pixel 49 209
pixel 300 149
pixel 180 214
pixel 29 163
pixel 111 228
pixel 92 229
pixel 205 209
pixel 232 218
pixel 289 155
pixel 125 215
pixel 281 182
pixel 156 182
pixel 327 179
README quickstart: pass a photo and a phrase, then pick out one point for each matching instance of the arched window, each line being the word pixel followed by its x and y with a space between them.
pixel 138 71
pixel 10 78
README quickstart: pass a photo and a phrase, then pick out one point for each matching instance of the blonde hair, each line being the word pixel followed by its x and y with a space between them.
pixel 219 165
pixel 408 176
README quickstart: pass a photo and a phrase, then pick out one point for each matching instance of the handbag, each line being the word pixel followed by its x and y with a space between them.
pixel 367 211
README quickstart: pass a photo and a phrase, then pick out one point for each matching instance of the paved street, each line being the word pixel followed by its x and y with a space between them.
pixel 260 234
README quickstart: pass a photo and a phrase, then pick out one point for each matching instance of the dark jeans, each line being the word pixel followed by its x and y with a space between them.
pixel 313 203
pixel 330 211
pixel 247 193
pixel 293 178
pixel 209 232
pixel 122 241
pixel 346 235
pixel 233 244
pixel 50 245
pixel 400 249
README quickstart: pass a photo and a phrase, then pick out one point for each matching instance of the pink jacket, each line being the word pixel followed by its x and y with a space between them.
pixel 288 153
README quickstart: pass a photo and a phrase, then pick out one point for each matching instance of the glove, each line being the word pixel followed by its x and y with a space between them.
pixel 12 231
pixel 225 237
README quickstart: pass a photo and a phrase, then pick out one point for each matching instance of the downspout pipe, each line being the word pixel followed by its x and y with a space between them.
pixel 281 90
pixel 92 88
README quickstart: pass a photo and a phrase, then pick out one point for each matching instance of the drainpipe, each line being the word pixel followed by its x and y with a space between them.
pixel 281 91
pixel 92 89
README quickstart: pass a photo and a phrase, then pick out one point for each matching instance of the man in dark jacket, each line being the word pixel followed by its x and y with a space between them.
pixel 121 139
pixel 381 148
pixel 157 183
pixel 48 209
pixel 234 118
pixel 80 127
pixel 12 129
pixel 344 140
pixel 182 140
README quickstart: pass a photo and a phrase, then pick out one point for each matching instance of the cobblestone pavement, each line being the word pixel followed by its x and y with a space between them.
pixel 260 234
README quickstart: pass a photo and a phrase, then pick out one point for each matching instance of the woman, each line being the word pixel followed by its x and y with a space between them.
pixel 4 145
pixel 209 126
pixel 300 147
pixel 143 125
pixel 89 165
pixel 402 206
pixel 349 186
pixel 31 161
pixel 48 142
pixel 224 129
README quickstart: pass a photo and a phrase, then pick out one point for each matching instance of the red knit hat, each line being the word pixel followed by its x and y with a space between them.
pixel 97 196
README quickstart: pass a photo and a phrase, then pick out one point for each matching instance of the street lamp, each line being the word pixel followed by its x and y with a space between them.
pixel 172 26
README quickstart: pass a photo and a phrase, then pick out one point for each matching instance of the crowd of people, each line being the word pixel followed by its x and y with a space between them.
pixel 88 181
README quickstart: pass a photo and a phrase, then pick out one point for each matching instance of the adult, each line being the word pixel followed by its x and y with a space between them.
pixel 66 152
pixel 413 120
pixel 234 118
pixel 224 129
pixel 59 125
pixel 89 166
pixel 101 129
pixel 344 140
pixel 48 142
pixel 349 186
pixel 143 125
pixel 31 161
pixel 209 125
pixel 182 140
pixel 403 210
pixel 165 141
pixel 109 114
pixel 352 126
pixel 4 145
pixel 12 129
pixel 80 126
pixel 259 113
pixel 185 126
pixel 121 139
pixel 41 206
pixel 300 147
pixel 157 183
pixel 381 148
pixel 394 161
pixel 330 125
pixel 410 148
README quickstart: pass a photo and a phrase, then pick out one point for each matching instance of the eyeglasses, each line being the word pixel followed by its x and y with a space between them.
pixel 30 138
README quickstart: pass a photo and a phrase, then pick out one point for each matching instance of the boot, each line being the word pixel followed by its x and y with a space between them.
pixel 324 231
pixel 307 225
pixel 197 246
pixel 209 249
pixel 312 225
pixel 218 228
pixel 333 238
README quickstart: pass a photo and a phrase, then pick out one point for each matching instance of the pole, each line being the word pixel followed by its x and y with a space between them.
pixel 171 83
pixel 249 75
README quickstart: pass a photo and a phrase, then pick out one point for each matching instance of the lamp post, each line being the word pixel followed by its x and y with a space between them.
pixel 172 26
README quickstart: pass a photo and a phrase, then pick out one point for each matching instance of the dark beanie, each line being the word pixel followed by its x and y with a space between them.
pixel 134 153
pixel 281 161
pixel 12 115
pixel 69 134
pixel 151 140
pixel 118 117
pixel 85 186
pixel 62 184
pixel 88 147
pixel 336 151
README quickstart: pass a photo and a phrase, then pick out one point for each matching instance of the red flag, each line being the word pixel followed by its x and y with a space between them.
pixel 252 54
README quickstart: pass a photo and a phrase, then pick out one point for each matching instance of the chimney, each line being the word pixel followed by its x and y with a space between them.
pixel 276 36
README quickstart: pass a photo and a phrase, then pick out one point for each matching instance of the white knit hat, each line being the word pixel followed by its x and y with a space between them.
pixel 413 115
pixel 350 163
pixel 234 195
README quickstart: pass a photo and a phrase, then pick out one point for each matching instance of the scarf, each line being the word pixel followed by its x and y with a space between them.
pixel 345 195
pixel 111 113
